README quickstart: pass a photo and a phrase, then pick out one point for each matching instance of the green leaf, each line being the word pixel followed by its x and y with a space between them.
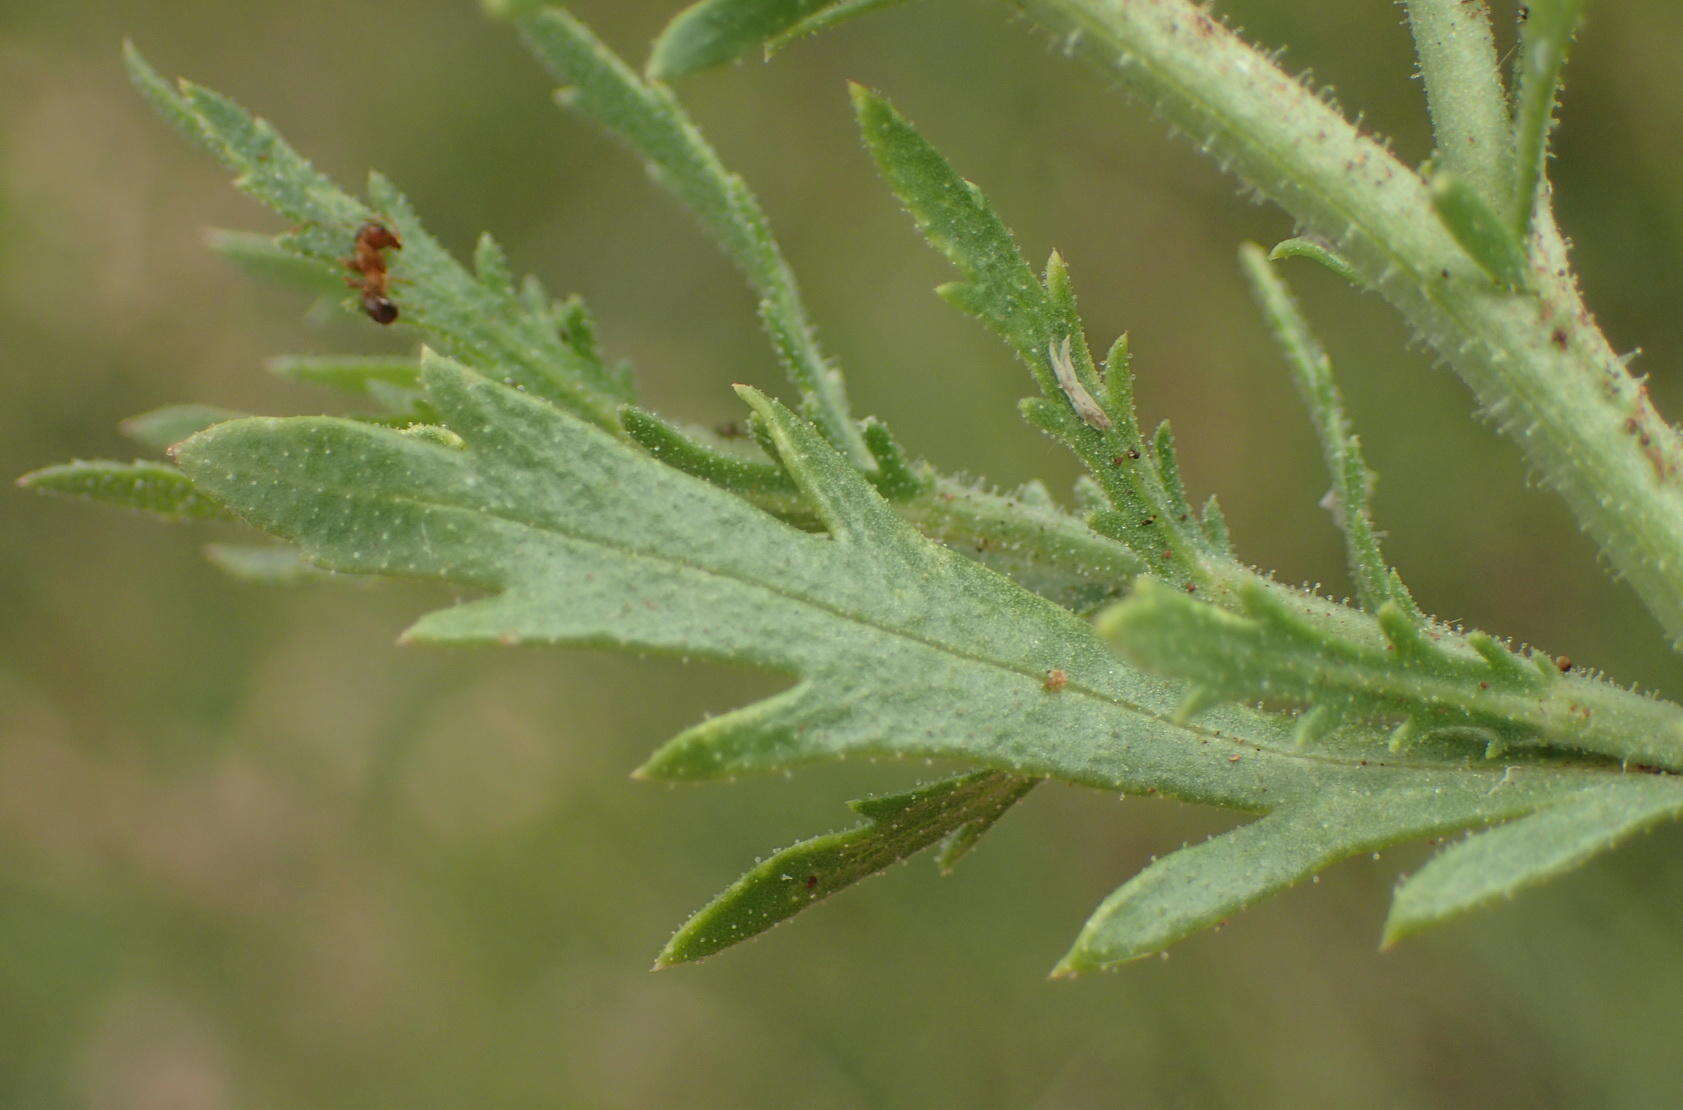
pixel 999 287
pixel 164 428
pixel 353 374
pixel 712 32
pixel 1395 669
pixel 1200 886
pixel 265 565
pixel 261 257
pixel 649 119
pixel 896 646
pixel 898 826
pixel 1544 37
pixel 1497 864
pixel 516 482
pixel 1352 482
pixel 1316 251
pixel 686 453
pixel 1040 321
pixel 590 542
pixel 1479 230
pixel 468 316
pixel 147 487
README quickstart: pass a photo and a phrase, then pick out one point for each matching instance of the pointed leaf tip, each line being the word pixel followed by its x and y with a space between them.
pixel 1499 862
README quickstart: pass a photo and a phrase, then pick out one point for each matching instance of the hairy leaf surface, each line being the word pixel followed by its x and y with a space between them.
pixel 897 646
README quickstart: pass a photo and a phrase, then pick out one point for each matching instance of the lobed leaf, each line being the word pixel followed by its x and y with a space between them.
pixel 477 318
pixel 519 485
pixel 1040 321
pixel 1434 680
pixel 897 646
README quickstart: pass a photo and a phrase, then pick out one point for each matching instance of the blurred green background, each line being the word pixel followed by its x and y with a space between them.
pixel 253 855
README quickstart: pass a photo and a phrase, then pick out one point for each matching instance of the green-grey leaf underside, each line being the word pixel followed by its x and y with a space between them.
pixel 897 646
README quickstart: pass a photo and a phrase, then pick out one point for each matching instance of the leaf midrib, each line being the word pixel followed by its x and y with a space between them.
pixel 1192 729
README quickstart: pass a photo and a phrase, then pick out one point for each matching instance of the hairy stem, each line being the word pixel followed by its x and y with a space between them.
pixel 1535 361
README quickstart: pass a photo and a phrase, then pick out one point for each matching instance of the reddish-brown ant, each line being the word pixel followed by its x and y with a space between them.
pixel 369 264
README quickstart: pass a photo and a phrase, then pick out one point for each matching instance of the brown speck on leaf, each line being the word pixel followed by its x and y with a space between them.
pixel 811 881
pixel 1056 680
pixel 1235 757
pixel 1564 663
pixel 1560 339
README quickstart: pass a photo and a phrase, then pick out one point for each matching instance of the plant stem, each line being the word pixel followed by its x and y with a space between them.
pixel 1535 361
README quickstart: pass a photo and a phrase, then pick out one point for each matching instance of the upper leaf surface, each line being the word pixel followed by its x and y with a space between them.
pixel 903 647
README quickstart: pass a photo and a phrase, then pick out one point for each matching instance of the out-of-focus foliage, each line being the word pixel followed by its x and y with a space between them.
pixel 248 856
